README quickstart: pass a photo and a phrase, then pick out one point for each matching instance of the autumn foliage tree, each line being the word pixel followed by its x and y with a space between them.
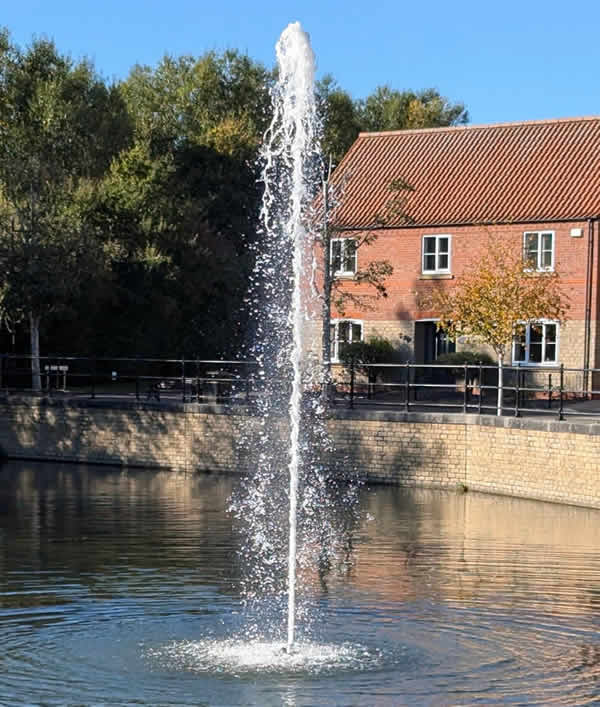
pixel 495 300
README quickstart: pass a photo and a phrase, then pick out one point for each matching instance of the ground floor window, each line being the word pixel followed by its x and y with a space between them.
pixel 537 344
pixel 343 332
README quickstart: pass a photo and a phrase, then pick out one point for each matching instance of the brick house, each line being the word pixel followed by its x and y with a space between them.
pixel 535 183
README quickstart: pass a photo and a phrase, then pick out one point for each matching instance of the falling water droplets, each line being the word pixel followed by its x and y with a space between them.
pixel 284 509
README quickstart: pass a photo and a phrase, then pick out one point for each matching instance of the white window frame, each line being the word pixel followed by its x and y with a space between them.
pixel 335 343
pixel 342 272
pixel 538 265
pixel 437 270
pixel 542 363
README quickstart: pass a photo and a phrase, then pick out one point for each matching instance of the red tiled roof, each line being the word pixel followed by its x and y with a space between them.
pixel 511 172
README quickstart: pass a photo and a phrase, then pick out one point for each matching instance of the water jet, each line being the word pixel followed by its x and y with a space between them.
pixel 290 163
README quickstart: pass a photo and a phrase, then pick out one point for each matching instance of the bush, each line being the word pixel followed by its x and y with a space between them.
pixel 471 358
pixel 460 358
pixel 376 349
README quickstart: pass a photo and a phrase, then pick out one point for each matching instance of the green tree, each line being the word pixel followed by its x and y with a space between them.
pixel 217 100
pixel 187 192
pixel 177 210
pixel 389 109
pixel 339 117
pixel 60 125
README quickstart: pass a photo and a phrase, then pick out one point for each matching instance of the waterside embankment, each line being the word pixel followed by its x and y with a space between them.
pixel 524 457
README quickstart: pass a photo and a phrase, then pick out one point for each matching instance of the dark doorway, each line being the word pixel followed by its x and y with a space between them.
pixel 430 343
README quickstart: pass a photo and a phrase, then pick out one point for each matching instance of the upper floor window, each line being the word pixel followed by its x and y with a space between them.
pixel 343 256
pixel 537 344
pixel 344 332
pixel 436 254
pixel 538 250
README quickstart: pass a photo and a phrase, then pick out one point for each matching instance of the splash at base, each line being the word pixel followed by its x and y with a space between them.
pixel 239 657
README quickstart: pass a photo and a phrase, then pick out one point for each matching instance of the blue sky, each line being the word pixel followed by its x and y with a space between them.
pixel 506 60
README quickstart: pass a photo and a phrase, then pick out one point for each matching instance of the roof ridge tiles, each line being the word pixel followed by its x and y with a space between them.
pixel 481 126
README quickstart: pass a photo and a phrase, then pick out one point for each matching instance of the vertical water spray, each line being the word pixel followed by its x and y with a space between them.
pixel 287 509
pixel 292 139
pixel 297 509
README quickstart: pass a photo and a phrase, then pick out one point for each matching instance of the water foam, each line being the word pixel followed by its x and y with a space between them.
pixel 237 657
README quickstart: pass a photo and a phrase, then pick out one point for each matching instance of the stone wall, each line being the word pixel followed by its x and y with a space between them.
pixel 529 458
pixel 400 448
pixel 183 437
pixel 554 461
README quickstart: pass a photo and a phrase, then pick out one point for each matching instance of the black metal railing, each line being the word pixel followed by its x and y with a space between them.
pixel 555 391
pixel 188 380
pixel 467 388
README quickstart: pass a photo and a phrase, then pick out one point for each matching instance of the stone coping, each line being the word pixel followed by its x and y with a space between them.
pixel 458 418
pixel 122 404
pixel 440 418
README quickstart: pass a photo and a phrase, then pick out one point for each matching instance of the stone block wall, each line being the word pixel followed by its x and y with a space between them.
pixel 528 458
pixel 386 449
pixel 550 461
pixel 180 437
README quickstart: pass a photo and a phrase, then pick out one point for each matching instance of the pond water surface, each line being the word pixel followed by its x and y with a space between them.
pixel 122 587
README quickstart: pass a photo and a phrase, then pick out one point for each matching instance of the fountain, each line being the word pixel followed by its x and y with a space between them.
pixel 140 586
pixel 290 148
pixel 292 429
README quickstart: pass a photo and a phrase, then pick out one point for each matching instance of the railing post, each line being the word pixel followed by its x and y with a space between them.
pixel 407 388
pixel 183 379
pixel 561 395
pixel 466 390
pixel 351 382
pixel 137 378
pixel 518 390
pixel 93 378
pixel 589 383
pixel 48 376
pixel 549 391
pixel 480 388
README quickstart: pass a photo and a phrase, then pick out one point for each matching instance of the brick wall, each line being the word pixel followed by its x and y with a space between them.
pixel 180 437
pixel 556 461
pixel 534 461
pixel 394 316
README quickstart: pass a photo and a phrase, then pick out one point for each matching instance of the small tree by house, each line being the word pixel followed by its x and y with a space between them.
pixel 495 300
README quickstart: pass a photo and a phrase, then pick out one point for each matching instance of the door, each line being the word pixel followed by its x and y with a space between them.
pixel 431 343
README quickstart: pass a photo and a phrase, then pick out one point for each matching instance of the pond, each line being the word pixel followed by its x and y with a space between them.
pixel 123 587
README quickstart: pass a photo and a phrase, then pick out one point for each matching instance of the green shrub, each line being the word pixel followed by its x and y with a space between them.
pixel 377 349
pixel 460 358
pixel 471 358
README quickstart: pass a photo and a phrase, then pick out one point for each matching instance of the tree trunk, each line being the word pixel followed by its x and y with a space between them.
pixel 34 338
pixel 500 383
pixel 326 312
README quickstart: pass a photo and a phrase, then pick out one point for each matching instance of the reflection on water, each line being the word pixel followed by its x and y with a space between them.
pixel 122 586
pixel 486 549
